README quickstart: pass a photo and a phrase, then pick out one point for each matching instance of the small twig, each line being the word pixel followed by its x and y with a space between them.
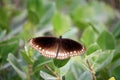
pixel 91 70
pixel 30 71
pixel 58 77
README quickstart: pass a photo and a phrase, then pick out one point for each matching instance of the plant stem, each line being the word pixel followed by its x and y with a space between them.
pixel 58 77
pixel 30 71
pixel 91 70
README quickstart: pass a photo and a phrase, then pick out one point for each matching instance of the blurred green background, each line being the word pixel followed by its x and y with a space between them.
pixel 93 23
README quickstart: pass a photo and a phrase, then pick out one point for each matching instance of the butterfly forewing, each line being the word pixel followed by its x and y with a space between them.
pixel 72 47
pixel 45 45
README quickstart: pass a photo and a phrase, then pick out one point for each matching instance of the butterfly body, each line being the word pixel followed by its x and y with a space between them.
pixel 60 48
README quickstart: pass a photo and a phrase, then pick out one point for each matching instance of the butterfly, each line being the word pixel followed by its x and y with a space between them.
pixel 59 48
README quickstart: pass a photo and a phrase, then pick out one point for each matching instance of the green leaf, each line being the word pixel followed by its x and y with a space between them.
pixel 101 59
pixel 15 64
pixel 77 70
pixel 61 23
pixel 81 24
pixel 47 76
pixel 26 33
pixel 48 14
pixel 85 76
pixel 60 63
pixel 40 62
pixel 2 35
pixel 103 73
pixel 106 41
pixel 116 30
pixel 70 76
pixel 64 69
pixel 116 56
pixel 35 10
pixel 88 36
pixel 92 48
pixel 93 12
pixel 26 57
pixel 33 17
pixel 80 16
pixel 8 46
pixel 98 28
pixel 4 19
pixel 116 73
pixel 59 3
pixel 114 65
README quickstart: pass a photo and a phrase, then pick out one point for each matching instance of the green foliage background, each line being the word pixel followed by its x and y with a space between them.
pixel 90 23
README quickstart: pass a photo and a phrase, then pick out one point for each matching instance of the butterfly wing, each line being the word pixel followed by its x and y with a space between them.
pixel 70 48
pixel 62 54
pixel 47 46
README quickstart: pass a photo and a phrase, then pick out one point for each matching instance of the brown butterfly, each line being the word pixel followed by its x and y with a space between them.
pixel 60 48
